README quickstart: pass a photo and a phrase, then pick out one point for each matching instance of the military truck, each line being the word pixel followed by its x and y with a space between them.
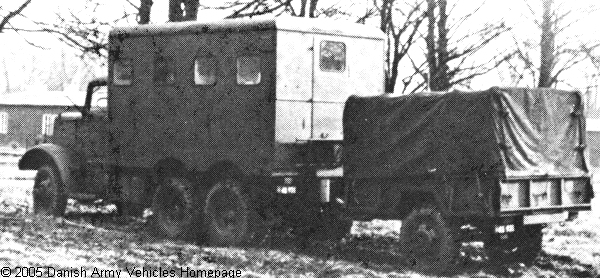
pixel 225 128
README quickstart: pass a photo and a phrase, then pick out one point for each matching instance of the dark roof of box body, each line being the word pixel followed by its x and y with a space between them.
pixel 295 24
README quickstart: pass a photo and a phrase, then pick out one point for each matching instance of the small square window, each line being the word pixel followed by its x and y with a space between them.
pixel 122 72
pixel 248 70
pixel 205 71
pixel 164 72
pixel 333 56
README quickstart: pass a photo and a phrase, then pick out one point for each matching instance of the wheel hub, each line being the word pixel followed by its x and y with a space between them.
pixel 424 240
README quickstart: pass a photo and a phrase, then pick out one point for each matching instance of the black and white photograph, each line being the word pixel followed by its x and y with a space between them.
pixel 299 138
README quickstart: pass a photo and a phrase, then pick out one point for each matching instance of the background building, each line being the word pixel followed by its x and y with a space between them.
pixel 27 118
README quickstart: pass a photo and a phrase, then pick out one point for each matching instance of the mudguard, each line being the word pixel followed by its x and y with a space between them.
pixel 68 163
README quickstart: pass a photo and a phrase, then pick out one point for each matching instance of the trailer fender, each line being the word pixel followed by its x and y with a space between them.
pixel 66 161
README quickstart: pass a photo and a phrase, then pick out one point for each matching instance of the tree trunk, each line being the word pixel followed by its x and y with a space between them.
pixel 175 11
pixel 443 79
pixel 385 25
pixel 313 8
pixel 386 15
pixel 437 46
pixel 547 47
pixel 144 11
pixel 302 8
pixel 191 10
pixel 430 40
pixel 392 76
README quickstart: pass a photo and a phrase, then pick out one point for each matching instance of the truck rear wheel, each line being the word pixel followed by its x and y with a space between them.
pixel 227 213
pixel 49 194
pixel 173 208
pixel 523 245
pixel 428 241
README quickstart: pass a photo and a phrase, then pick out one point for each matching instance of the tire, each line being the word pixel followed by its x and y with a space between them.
pixel 523 245
pixel 227 213
pixel 49 194
pixel 173 209
pixel 428 241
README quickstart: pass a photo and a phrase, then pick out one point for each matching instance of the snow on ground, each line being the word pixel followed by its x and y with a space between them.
pixel 105 241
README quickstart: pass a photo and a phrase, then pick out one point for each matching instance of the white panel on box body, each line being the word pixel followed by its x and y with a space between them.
pixel 311 97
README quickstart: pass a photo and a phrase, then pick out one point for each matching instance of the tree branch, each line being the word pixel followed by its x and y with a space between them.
pixel 12 14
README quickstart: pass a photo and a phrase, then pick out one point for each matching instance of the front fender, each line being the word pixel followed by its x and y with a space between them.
pixel 69 165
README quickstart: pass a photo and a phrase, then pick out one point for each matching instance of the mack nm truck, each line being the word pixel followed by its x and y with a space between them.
pixel 224 128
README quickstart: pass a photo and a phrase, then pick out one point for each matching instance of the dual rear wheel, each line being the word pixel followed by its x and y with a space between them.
pixel 220 216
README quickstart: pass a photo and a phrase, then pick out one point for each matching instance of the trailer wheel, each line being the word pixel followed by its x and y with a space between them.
pixel 523 246
pixel 428 241
pixel 173 208
pixel 227 213
pixel 49 194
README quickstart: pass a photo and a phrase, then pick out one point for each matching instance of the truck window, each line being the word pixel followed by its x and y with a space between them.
pixel 248 70
pixel 122 72
pixel 333 56
pixel 48 124
pixel 164 71
pixel 99 100
pixel 205 70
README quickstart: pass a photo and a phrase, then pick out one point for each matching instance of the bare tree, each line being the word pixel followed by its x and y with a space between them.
pixel 298 8
pixel 401 35
pixel 12 14
pixel 80 29
pixel 560 49
pixel 250 8
pixel 450 62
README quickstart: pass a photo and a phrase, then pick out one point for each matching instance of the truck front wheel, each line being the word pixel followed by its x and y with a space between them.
pixel 49 196
pixel 428 241
pixel 227 213
pixel 173 209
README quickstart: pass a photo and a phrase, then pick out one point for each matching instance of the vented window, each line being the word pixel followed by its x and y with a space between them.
pixel 3 122
pixel 122 72
pixel 248 70
pixel 205 69
pixel 333 56
pixel 48 124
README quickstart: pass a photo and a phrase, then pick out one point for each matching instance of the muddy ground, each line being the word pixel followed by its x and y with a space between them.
pixel 89 239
